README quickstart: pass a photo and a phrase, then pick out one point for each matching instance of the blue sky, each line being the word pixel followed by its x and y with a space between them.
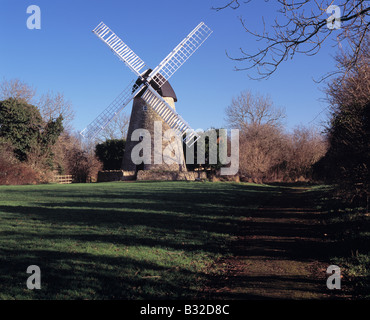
pixel 65 56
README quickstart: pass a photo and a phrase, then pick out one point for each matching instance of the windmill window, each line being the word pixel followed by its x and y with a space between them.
pixel 145 108
pixel 141 136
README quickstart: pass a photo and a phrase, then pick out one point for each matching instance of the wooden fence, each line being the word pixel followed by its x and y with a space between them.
pixel 63 179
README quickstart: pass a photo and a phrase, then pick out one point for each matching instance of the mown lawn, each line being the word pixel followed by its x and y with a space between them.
pixel 180 240
pixel 141 240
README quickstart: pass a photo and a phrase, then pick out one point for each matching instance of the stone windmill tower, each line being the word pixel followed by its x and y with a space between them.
pixel 143 117
pixel 154 102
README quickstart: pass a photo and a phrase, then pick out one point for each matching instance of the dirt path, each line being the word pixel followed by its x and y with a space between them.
pixel 282 253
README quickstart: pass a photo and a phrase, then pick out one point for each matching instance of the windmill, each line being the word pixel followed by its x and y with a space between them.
pixel 152 94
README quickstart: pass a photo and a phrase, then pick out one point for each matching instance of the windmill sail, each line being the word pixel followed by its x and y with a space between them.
pixel 119 48
pixel 111 111
pixel 180 54
pixel 173 119
pixel 157 77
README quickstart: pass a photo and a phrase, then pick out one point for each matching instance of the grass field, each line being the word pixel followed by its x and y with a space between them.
pixel 161 240
pixel 117 240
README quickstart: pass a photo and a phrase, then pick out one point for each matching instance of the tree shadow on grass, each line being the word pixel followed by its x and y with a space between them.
pixel 93 276
pixel 182 220
pixel 237 220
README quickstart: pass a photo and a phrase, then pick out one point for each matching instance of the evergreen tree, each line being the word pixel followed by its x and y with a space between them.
pixel 111 153
pixel 22 126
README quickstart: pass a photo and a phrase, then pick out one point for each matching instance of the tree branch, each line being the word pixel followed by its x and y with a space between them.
pixel 302 31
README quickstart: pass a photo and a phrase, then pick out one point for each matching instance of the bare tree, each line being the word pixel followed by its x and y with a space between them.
pixel 83 165
pixel 262 149
pixel 301 27
pixel 308 146
pixel 248 109
pixel 52 105
pixel 355 86
pixel 116 129
pixel 262 142
pixel 16 89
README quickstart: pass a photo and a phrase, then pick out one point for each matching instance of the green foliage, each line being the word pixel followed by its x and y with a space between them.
pixel 52 131
pixel 49 137
pixel 22 126
pixel 111 153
